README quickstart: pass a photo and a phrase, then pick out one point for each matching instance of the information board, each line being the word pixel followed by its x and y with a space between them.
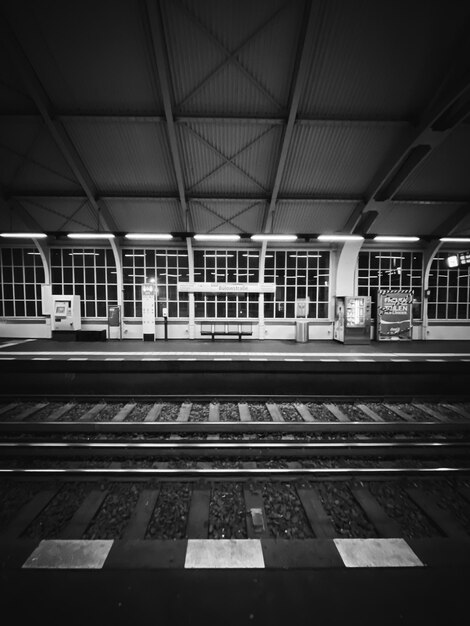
pixel 394 315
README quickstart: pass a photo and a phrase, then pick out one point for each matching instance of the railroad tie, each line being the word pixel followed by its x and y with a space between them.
pixel 92 413
pixel 27 514
pixel 274 412
pixel 384 525
pixel 337 412
pixel 318 518
pixel 214 412
pixel 30 411
pixel 437 416
pixel 401 414
pixel 184 412
pixel 304 412
pixel 84 515
pixel 441 518
pixel 141 515
pixel 124 412
pixel 154 413
pixel 60 412
pixel 244 412
pixel 457 409
pixel 370 413
pixel 8 407
pixel 198 517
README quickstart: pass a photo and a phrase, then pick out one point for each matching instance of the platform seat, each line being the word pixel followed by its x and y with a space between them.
pixel 226 329
pixel 91 335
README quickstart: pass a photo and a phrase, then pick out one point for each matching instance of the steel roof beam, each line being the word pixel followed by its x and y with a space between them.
pixel 155 35
pixel 446 111
pixel 307 40
pixel 55 128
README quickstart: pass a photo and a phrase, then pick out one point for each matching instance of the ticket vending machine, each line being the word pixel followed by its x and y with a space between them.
pixel 352 319
pixel 65 313
pixel 149 293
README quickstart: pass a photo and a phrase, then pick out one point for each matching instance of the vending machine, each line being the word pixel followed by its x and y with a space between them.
pixel 149 293
pixel 352 319
pixel 65 314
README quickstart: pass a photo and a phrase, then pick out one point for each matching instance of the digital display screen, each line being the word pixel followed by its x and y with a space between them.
pixel 60 310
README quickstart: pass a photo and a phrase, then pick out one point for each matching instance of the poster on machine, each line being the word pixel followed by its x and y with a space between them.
pixel 394 315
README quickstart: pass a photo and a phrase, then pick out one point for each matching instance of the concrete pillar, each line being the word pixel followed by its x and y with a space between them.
pixel 346 268
pixel 192 315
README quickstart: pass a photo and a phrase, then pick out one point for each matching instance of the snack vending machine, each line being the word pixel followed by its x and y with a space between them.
pixel 352 319
pixel 149 292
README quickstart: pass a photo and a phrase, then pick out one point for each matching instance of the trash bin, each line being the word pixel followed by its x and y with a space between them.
pixel 301 330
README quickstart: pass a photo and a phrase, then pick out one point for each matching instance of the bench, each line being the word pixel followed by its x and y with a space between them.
pixel 227 329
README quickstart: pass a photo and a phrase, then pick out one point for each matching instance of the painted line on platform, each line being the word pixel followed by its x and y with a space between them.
pixel 221 359
pixel 421 355
pixel 15 343
pixel 42 358
pixel 7 358
pixel 301 360
pixel 376 553
pixel 78 358
pixel 400 360
pixel 69 554
pixel 435 360
pixel 224 554
pixel 114 359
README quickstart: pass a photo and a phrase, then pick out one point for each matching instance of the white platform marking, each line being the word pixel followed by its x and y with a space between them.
pixel 15 343
pixel 78 358
pixel 112 358
pixel 151 359
pixel 376 553
pixel 329 360
pixel 224 553
pixel 257 359
pixel 42 358
pixel 223 359
pixel 294 360
pixel 435 360
pixel 400 360
pixel 187 359
pixel 69 554
pixel 7 358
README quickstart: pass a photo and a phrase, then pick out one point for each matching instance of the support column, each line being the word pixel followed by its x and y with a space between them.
pixel 192 315
pixel 346 268
pixel 261 325
pixel 431 251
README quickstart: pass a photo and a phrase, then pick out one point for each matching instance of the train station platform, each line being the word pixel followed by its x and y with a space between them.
pixel 227 368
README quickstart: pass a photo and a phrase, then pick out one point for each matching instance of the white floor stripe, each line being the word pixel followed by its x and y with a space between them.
pixel 256 359
pixel 400 360
pixel 351 355
pixel 7 358
pixel 329 360
pixel 435 360
pixel 376 553
pixel 114 359
pixel 365 360
pixel 224 554
pixel 223 359
pixel 69 554
pixel 42 358
pixel 294 360
pixel 16 343
pixel 187 359
pixel 78 358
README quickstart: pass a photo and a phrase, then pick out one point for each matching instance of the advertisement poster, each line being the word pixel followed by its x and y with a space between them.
pixel 394 315
pixel 339 320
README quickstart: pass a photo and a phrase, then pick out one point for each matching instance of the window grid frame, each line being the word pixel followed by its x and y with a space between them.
pixel 17 302
pixel 452 278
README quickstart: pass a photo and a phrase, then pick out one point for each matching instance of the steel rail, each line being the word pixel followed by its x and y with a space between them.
pixel 224 473
pixel 233 427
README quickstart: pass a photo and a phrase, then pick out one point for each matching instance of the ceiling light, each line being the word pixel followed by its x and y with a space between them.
pixel 393 238
pixel 340 237
pixel 217 237
pixel 24 235
pixel 456 239
pixel 274 237
pixel 148 236
pixel 90 235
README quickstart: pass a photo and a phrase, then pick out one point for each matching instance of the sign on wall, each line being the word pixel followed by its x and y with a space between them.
pixel 227 287
pixel 394 315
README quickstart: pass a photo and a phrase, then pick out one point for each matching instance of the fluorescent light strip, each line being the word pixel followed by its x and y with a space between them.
pixel 156 236
pixel 274 237
pixel 392 238
pixel 455 239
pixel 90 236
pixel 83 253
pixel 217 237
pixel 23 235
pixel 340 238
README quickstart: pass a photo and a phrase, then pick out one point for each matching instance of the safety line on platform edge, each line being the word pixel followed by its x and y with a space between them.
pixel 15 343
pixel 460 355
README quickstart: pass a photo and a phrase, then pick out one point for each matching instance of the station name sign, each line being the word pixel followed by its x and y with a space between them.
pixel 462 258
pixel 226 287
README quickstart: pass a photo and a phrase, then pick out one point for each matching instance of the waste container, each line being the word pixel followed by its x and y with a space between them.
pixel 301 330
